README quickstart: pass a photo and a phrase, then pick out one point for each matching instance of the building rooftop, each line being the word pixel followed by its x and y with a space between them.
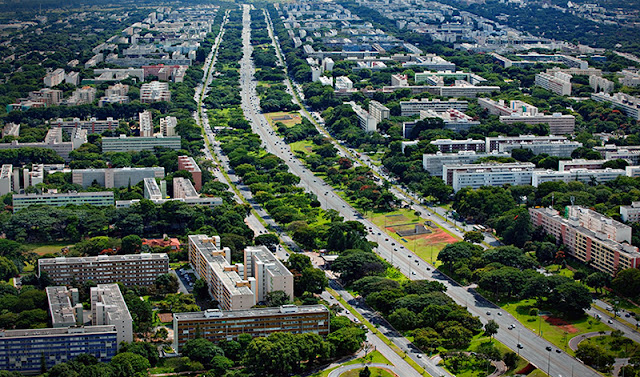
pixel 57 331
pixel 104 258
pixel 60 306
pixel 65 194
pixel 255 312
pixel 109 295
pixel 266 257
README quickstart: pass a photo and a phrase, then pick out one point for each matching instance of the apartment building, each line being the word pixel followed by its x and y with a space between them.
pixel 437 78
pixel 489 174
pixel 168 126
pixel 454 146
pixel 46 96
pixel 23 350
pixel 433 163
pixel 343 83
pixel 54 78
pixel 64 306
pixel 125 144
pixel 145 124
pixel 109 308
pixel 630 78
pixel 559 124
pixel 155 91
pixel 413 106
pixel 631 155
pixel 494 143
pixel 213 264
pixel 130 269
pixel 566 165
pixel 630 214
pixel 6 179
pixel 586 176
pixel 366 121
pixel 600 84
pixel 189 164
pixel 629 105
pixel 430 62
pixel 552 148
pixel 590 237
pixel 270 274
pixel 399 80
pixel 99 198
pixel 11 129
pixel 632 171
pixel 53 140
pixel 116 177
pixel 558 82
pixel 378 111
pixel 151 190
pixel 93 125
pixel 215 325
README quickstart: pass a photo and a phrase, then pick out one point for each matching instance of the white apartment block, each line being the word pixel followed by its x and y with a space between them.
pixel 124 143
pixel 629 105
pixel 152 190
pixel 430 62
pixel 493 143
pixel 632 171
pixel 433 163
pixel 213 264
pixel 558 83
pixel 72 78
pixel 93 125
pixel 559 124
pixel 632 156
pixel 367 122
pixel 109 308
pixel 378 111
pixel 155 91
pixel 168 126
pixel 54 78
pixel 343 83
pixel 6 179
pixel 453 146
pixel 566 165
pixel 399 80
pixel 552 148
pixel 33 177
pixel 600 84
pixel 479 175
pixel 630 78
pixel 630 214
pixel 270 274
pixel 115 177
pixel 413 106
pixel 586 176
pixel 146 124
pixel 592 220
pixel 183 189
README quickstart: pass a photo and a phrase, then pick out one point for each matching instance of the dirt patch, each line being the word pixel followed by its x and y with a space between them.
pixel 560 323
pixel 165 317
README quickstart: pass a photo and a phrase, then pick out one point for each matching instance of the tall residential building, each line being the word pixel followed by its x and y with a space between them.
pixel 600 84
pixel 433 163
pixel 630 78
pixel 146 124
pixel 99 198
pixel 629 105
pixel 489 174
pixel 558 83
pixel 54 141
pixel 413 106
pixel 155 91
pixel 183 189
pixel 47 96
pixel 366 121
pixel 93 125
pixel 130 270
pixel 108 308
pixel 399 80
pixel 552 148
pixel 64 306
pixel 518 111
pixel 115 177
pixel 189 164
pixel 168 126
pixel 54 78
pixel 494 143
pixel 125 144
pixel 343 82
pixel 590 237
pixel 453 146
pixel 215 325
pixel 587 176
pixel 270 274
pixel 378 111
pixel 152 190
pixel 6 179
pixel 630 214
pixel 213 264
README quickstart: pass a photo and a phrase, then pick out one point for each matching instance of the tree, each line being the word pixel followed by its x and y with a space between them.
pixel 452 253
pixel 403 319
pixel 267 240
pixel 219 366
pixel 167 283
pixel 201 350
pixel 474 237
pixel 131 244
pixel 62 370
pixel 594 356
pixel 145 349
pixel 491 328
pixel 365 372
pixel 627 282
pixel 347 340
pixel 311 280
pixel 277 298
pixel 130 363
pixel 8 269
pixel 427 339
pixel 201 289
pixel 355 264
pixel 570 298
pixel 598 280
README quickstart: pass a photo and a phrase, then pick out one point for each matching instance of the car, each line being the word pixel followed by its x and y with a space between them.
pixel 408 255
pixel 393 244
pixel 511 326
pixel 488 312
pixel 419 356
pixel 417 261
pixel 413 272
pixel 609 308
pixel 558 351
pixel 499 313
pixel 627 315
pixel 610 322
pixel 548 348
pixel 520 346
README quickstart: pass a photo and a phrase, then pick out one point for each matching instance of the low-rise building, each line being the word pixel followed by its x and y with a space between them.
pixel 433 163
pixel 53 199
pixel 54 141
pixel 155 91
pixel 587 176
pixel 215 325
pixel 629 105
pixel 487 174
pixel 566 165
pixel 454 146
pixel 115 177
pixel 343 82
pixel 630 214
pixel 413 106
pixel 130 269
pixel 125 144
pixel 93 125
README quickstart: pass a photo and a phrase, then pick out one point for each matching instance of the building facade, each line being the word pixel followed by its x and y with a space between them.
pixel 454 146
pixel 99 198
pixel 215 325
pixel 125 144
pixel 413 107
pixel 116 177
pixel 130 270
pixel 478 175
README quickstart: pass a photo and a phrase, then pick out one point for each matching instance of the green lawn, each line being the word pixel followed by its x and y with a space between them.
pixel 608 342
pixel 303 146
pixel 537 373
pixel 375 372
pixel 372 357
pixel 46 248
pixel 559 335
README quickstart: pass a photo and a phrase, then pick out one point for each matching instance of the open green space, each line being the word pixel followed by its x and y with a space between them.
pixel 372 357
pixel 426 246
pixel 619 346
pixel 556 330
pixel 47 248
pixel 375 372
pixel 305 147
pixel 281 116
